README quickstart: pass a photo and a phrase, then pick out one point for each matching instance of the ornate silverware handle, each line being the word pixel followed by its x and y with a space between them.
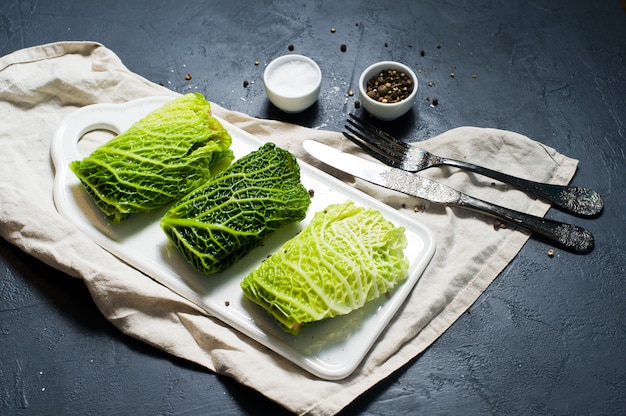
pixel 569 236
pixel 581 201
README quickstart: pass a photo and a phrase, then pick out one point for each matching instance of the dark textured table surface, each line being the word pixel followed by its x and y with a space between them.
pixel 547 337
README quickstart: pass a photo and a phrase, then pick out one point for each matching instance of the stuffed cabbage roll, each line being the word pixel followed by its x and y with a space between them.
pixel 159 159
pixel 346 256
pixel 221 221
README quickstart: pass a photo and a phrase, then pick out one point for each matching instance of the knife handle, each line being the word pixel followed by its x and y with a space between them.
pixel 569 236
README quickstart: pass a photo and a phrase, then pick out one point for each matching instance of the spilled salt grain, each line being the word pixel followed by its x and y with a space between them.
pixel 293 78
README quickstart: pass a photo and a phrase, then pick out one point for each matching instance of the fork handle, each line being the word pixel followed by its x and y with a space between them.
pixel 574 199
pixel 569 236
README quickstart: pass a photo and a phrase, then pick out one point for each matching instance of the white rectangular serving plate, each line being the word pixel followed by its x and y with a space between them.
pixel 331 349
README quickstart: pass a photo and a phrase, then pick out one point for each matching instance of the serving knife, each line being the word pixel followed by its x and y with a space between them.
pixel 572 237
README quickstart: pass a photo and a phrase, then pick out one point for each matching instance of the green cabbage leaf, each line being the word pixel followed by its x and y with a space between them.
pixel 159 159
pixel 221 221
pixel 346 256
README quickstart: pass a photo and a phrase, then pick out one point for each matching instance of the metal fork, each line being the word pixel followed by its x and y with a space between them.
pixel 409 157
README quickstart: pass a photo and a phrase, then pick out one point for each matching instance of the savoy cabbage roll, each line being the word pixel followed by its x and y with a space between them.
pixel 224 219
pixel 345 257
pixel 159 159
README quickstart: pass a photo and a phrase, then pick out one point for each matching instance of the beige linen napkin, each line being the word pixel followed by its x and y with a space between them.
pixel 39 86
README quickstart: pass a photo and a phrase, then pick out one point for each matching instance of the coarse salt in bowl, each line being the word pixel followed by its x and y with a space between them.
pixel 386 111
pixel 292 82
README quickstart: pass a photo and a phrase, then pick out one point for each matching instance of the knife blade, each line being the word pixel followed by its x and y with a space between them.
pixel 379 174
pixel 571 237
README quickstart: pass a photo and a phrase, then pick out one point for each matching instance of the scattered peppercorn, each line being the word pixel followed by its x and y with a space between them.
pixel 188 77
pixel 357 104
pixel 386 44
pixel 422 52
pixel 245 83
pixel 435 101
pixel 343 47
pixel 311 193
pixel 227 303
pixel 390 86
pixel 290 47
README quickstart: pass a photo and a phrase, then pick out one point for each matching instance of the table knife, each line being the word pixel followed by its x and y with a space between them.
pixel 571 237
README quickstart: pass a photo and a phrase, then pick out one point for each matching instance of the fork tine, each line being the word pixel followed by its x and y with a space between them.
pixel 372 150
pixel 373 139
pixel 377 138
pixel 375 131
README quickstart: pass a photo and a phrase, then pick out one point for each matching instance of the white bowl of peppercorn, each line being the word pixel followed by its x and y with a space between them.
pixel 292 82
pixel 388 89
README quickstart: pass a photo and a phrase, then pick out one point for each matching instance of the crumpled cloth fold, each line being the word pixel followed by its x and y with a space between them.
pixel 39 86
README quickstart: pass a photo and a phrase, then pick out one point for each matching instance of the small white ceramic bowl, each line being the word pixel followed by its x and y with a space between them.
pixel 386 111
pixel 292 82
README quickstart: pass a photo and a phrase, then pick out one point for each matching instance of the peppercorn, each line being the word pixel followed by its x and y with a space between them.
pixel 343 47
pixel 390 86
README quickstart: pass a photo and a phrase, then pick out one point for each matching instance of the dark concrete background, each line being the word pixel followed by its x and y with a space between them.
pixel 546 338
